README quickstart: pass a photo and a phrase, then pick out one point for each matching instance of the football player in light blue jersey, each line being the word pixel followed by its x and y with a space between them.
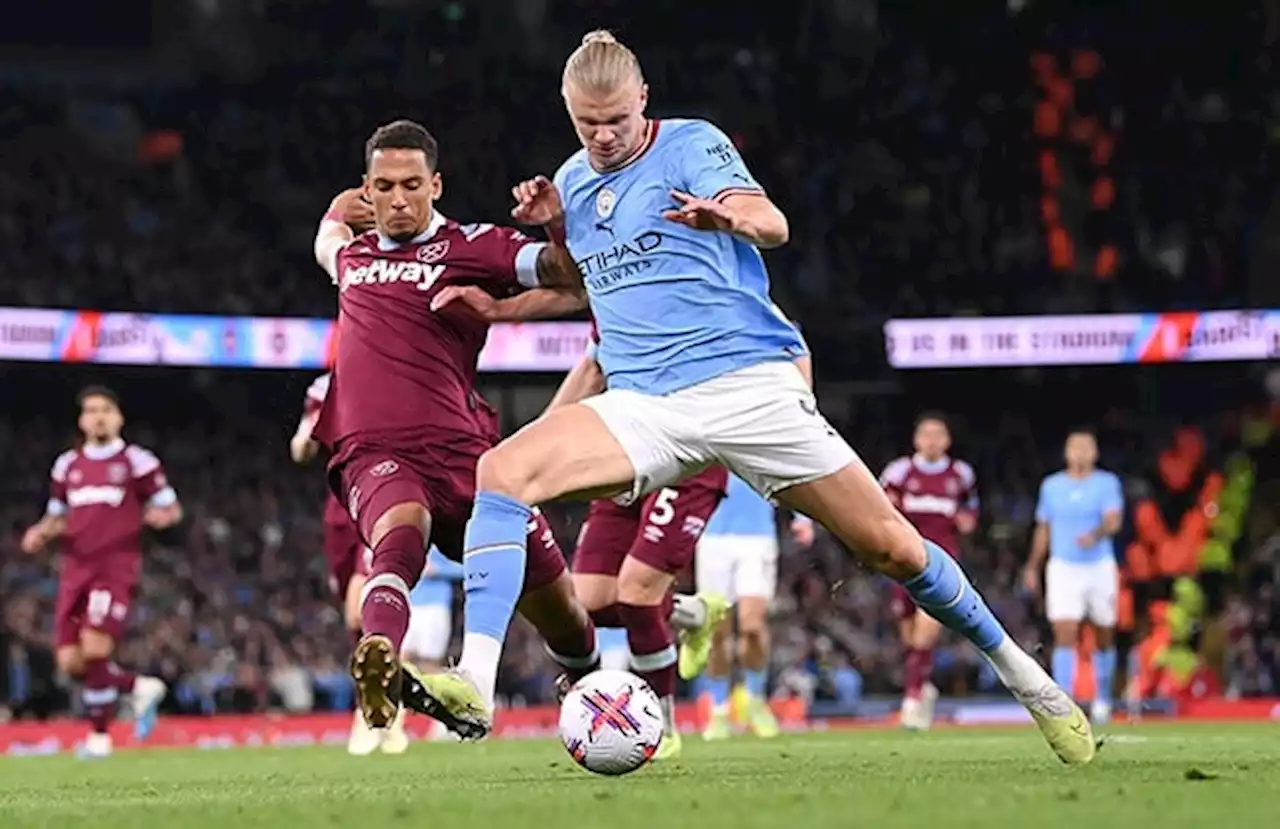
pixel 738 559
pixel 1080 510
pixel 667 223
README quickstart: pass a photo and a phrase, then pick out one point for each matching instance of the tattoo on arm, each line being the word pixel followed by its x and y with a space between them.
pixel 556 269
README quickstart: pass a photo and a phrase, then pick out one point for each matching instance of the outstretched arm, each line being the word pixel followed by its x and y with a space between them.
pixel 584 380
pixel 559 292
pixel 302 447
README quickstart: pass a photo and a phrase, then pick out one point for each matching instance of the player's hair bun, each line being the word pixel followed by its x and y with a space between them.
pixel 598 36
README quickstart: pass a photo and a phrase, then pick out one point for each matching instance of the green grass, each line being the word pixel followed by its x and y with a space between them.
pixel 1169 776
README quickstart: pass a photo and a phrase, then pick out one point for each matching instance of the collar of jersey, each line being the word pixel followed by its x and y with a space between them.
pixel 106 450
pixel 932 467
pixel 437 221
pixel 650 138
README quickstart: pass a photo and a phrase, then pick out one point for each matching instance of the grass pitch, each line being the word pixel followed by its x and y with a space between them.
pixel 1170 776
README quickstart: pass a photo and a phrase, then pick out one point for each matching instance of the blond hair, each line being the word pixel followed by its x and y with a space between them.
pixel 601 64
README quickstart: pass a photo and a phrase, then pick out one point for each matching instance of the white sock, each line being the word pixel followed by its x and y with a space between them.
pixel 688 613
pixel 480 657
pixel 1017 669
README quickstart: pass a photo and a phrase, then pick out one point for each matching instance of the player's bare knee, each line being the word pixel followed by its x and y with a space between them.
pixel 1066 634
pixel 407 514
pixel 1104 637
pixel 899 550
pixel 595 592
pixel 641 584
pixel 94 644
pixel 71 661
pixel 503 470
pixel 753 623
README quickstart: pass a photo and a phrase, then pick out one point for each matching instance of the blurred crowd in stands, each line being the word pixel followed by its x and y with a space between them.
pixel 906 143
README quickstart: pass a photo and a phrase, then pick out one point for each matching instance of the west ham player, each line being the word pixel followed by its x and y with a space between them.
pixel 100 495
pixel 346 555
pixel 406 427
pixel 1080 510
pixel 667 224
pixel 738 559
pixel 939 496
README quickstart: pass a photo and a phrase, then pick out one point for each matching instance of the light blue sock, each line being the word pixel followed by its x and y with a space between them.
pixel 718 687
pixel 1064 669
pixel 1104 674
pixel 493 564
pixel 756 683
pixel 944 592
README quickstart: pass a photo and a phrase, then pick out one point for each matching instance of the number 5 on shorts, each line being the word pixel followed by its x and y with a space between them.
pixel 663 510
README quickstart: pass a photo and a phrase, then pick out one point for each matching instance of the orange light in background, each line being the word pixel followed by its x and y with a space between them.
pixel 1048 120
pixel 161 146
pixel 1061 255
pixel 1108 260
pixel 1103 194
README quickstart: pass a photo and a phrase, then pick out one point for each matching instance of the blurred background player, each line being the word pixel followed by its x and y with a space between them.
pixel 1079 511
pixel 346 555
pixel 100 495
pixel 938 495
pixel 426 644
pixel 738 559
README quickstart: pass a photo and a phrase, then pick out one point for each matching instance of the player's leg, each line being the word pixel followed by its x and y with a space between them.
pixel 1102 610
pixel 905 612
pixel 425 646
pixel 714 567
pixel 606 536
pixel 569 451
pixel 350 561
pixel 645 579
pixel 463 698
pixel 68 619
pixel 756 582
pixel 345 554
pixel 105 682
pixel 852 506
pixel 549 602
pixel 391 507
pixel 923 638
pixel 1065 606
pixel 351 611
pixel 764 423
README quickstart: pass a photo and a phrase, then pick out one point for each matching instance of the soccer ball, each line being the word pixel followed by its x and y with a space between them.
pixel 611 722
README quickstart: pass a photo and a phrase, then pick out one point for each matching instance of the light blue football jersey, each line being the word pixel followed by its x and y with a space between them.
pixel 1073 507
pixel 675 306
pixel 743 512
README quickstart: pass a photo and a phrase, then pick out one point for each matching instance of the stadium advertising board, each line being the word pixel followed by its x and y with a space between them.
pixel 1100 339
pixel 59 336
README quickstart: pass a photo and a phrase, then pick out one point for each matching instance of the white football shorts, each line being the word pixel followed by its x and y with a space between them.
pixel 737 566
pixel 430 628
pixel 762 422
pixel 1075 592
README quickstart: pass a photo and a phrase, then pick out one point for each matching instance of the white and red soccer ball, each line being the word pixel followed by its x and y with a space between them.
pixel 611 722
